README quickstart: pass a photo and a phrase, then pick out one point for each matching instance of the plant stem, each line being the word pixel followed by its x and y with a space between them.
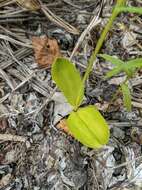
pixel 102 38
pixel 130 9
pixel 117 92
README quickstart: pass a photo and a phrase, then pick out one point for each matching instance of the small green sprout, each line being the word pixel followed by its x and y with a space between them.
pixel 127 67
pixel 126 96
pixel 87 124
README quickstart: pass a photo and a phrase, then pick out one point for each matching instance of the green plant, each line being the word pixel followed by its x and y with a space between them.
pixel 86 124
pixel 127 67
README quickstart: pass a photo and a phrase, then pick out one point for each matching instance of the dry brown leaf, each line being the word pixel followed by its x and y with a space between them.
pixel 32 5
pixel 63 126
pixel 46 50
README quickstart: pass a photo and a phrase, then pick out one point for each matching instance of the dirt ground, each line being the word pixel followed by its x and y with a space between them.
pixel 35 154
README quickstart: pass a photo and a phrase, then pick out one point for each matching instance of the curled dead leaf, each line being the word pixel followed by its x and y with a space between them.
pixel 32 5
pixel 62 125
pixel 46 50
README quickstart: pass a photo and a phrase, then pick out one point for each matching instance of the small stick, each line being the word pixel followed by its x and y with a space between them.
pixel 15 138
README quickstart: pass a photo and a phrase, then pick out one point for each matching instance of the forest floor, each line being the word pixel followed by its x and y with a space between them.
pixel 35 154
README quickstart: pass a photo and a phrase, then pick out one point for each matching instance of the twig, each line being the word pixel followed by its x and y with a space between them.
pixel 137 104
pixel 15 138
pixel 125 163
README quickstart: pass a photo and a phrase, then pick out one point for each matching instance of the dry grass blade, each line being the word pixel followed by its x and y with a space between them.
pixel 3 99
pixel 32 5
pixel 7 79
pixel 19 54
pixel 4 37
pixel 60 22
pixel 16 36
pixel 5 2
pixel 15 138
pixel 126 163
pixel 94 22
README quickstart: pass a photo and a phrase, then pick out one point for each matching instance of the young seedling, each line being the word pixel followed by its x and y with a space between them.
pixel 127 67
pixel 86 124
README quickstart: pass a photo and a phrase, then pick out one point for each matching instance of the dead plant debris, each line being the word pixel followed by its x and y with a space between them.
pixel 62 125
pixel 32 5
pixel 46 50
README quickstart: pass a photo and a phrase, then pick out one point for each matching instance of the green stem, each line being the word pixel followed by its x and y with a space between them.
pixel 102 38
pixel 130 9
pixel 116 93
pixel 115 12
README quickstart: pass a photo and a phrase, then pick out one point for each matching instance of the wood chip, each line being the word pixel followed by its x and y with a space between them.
pixel 46 50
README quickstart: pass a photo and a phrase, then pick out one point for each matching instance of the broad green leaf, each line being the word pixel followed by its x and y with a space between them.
pixel 126 96
pixel 89 127
pixel 112 59
pixel 68 80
